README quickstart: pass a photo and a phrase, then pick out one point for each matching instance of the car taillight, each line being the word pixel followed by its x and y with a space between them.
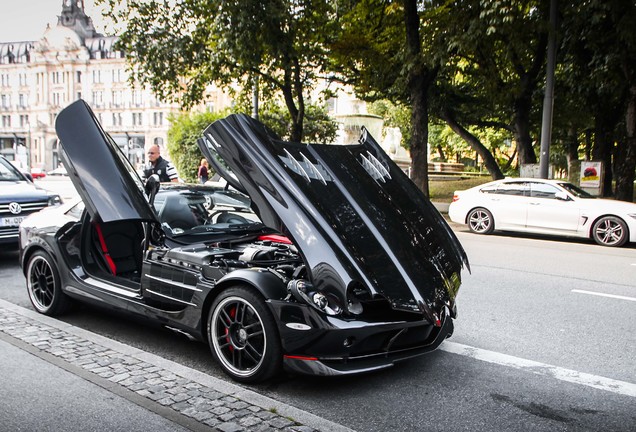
pixel 455 197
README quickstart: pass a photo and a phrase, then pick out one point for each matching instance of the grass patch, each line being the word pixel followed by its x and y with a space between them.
pixel 442 190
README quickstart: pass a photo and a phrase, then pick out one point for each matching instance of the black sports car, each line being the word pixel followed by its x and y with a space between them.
pixel 349 269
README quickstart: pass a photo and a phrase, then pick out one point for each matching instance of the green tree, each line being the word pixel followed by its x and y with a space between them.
pixel 394 115
pixel 179 48
pixel 600 59
pixel 185 129
pixel 493 75
pixel 383 50
pixel 318 126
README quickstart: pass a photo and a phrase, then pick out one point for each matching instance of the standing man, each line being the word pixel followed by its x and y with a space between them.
pixel 158 165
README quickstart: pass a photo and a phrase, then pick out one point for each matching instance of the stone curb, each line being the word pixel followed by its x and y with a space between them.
pixel 212 402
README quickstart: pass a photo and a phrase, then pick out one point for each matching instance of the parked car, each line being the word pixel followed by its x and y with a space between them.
pixel 542 206
pixel 348 268
pixel 19 197
pixel 59 171
pixel 37 173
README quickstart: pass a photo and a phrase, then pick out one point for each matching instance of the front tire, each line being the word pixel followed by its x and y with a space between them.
pixel 44 286
pixel 480 221
pixel 610 231
pixel 243 336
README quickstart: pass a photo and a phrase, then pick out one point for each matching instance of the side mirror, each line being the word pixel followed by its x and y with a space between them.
pixel 152 187
pixel 562 196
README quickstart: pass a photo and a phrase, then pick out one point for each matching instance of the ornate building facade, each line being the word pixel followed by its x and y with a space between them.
pixel 71 61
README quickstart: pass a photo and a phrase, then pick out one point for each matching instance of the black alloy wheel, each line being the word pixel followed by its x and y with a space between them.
pixel 610 231
pixel 44 287
pixel 243 336
pixel 480 221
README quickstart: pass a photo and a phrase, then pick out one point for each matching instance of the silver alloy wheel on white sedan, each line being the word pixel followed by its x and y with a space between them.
pixel 480 221
pixel 610 231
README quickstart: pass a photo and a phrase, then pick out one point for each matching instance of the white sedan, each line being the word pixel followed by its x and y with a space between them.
pixel 544 207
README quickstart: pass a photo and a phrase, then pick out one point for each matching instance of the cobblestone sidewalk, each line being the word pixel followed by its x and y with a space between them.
pixel 164 386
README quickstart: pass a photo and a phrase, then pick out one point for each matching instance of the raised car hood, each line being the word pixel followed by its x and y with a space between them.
pixel 103 177
pixel 355 216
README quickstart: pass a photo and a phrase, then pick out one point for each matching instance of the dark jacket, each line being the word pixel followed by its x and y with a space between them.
pixel 162 168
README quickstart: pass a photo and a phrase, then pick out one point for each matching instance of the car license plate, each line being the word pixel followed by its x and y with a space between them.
pixel 11 221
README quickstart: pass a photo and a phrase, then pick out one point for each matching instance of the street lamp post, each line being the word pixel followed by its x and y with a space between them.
pixel 548 100
pixel 29 149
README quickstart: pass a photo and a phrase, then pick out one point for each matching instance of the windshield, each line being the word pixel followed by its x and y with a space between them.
pixel 8 172
pixel 575 190
pixel 205 212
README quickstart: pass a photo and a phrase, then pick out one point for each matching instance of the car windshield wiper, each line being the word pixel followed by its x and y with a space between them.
pixel 200 229
pixel 244 226
pixel 233 228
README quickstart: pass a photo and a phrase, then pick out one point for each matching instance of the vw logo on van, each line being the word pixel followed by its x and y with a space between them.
pixel 15 208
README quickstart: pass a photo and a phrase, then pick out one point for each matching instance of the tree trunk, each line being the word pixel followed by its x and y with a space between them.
pixel 572 149
pixel 626 153
pixel 588 144
pixel 602 149
pixel 295 113
pixel 440 152
pixel 522 131
pixel 475 144
pixel 419 78
pixel 510 159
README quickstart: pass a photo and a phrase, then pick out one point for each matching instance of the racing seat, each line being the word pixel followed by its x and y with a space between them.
pixel 120 245
pixel 231 218
pixel 177 214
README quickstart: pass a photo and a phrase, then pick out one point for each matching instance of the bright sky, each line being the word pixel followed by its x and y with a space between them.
pixel 22 20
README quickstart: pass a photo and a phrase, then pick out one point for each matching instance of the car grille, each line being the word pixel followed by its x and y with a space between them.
pixel 27 208
pixel 7 232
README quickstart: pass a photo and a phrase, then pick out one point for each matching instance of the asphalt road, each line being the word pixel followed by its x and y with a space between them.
pixel 545 341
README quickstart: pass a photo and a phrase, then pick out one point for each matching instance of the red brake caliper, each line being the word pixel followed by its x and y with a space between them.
pixel 227 330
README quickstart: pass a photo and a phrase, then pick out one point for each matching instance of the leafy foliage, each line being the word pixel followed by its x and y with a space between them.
pixel 394 115
pixel 318 126
pixel 185 129
pixel 178 48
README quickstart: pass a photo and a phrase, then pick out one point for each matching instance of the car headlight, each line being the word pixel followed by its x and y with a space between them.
pixel 55 200
pixel 305 292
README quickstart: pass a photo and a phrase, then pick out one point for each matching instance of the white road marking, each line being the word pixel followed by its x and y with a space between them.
pixel 569 375
pixel 604 295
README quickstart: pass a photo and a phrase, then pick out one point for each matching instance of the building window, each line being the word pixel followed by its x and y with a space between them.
pixel 158 119
pixel 117 98
pixel 6 121
pixel 331 105
pixel 136 98
pixel 136 119
pixel 117 119
pixel 57 99
pixel 98 99
pixel 79 77
pixel 23 79
pixel 5 100
pixel 79 95
pixel 4 80
pixel 24 120
pixel 118 76
pixel 55 78
pixel 97 77
pixel 22 100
